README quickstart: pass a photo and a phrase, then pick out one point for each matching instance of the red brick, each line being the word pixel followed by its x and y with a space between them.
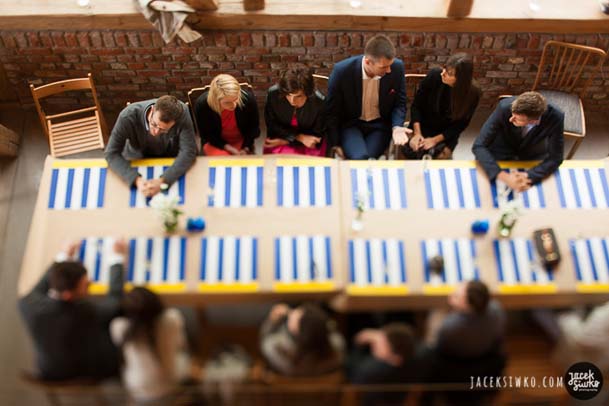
pixel 57 38
pixel 33 39
pixel 283 40
pixel 70 39
pixel 245 40
pixel 8 40
pixel 220 40
pixel 257 39
pixel 320 40
pixel 134 39
pixel 145 39
pixel 20 40
pixel 331 40
pixel 120 39
pixel 124 58
pixel 107 51
pixel 108 39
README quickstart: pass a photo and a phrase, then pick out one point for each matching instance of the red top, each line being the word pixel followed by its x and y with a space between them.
pixel 230 131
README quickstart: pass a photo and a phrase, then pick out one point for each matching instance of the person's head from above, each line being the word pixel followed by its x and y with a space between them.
pixel 224 94
pixel 68 280
pixel 379 55
pixel 458 71
pixel 527 109
pixel 296 85
pixel 308 325
pixel 470 297
pixel 163 115
pixel 396 344
pixel 142 307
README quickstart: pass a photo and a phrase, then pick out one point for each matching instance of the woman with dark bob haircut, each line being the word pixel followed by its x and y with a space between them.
pixel 294 116
pixel 442 108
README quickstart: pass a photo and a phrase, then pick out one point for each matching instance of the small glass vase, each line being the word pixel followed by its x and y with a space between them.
pixel 170 223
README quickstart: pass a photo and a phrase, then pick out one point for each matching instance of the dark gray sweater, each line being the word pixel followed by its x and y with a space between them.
pixel 132 125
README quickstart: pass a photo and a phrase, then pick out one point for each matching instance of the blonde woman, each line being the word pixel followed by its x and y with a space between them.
pixel 227 117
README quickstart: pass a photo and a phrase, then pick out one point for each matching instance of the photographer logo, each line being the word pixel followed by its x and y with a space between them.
pixel 583 380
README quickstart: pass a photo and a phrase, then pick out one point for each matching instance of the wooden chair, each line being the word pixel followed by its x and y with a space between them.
pixel 85 391
pixel 564 74
pixel 321 84
pixel 286 390
pixel 73 131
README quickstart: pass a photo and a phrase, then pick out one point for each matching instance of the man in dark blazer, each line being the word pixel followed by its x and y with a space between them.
pixel 70 331
pixel 523 128
pixel 367 101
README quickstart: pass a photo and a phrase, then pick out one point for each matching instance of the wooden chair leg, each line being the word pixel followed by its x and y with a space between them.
pixel 574 148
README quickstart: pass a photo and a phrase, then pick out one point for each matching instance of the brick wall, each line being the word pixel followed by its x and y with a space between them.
pixel 136 65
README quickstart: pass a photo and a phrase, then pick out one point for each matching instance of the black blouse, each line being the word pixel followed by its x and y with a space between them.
pixel 432 110
pixel 278 114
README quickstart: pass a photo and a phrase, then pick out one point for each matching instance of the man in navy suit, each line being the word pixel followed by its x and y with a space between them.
pixel 367 101
pixel 523 128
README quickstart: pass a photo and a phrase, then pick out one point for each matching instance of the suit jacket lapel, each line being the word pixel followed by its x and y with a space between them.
pixel 357 79
pixel 384 89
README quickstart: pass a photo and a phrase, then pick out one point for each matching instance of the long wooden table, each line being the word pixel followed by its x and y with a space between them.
pixel 282 228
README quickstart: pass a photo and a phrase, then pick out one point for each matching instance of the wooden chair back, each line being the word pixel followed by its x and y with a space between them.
pixel 317 390
pixel 76 130
pixel 321 84
pixel 412 85
pixel 83 390
pixel 568 67
pixel 563 76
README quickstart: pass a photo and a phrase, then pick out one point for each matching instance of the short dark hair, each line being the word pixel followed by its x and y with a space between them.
pixel 296 79
pixel 313 332
pixel 64 276
pixel 531 104
pixel 478 296
pixel 169 108
pixel 378 47
pixel 401 339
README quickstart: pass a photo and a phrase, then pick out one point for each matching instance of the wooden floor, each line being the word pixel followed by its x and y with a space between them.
pixel 19 180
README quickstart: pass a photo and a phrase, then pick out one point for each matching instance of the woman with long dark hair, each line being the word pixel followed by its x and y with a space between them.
pixel 442 108
pixel 301 341
pixel 153 343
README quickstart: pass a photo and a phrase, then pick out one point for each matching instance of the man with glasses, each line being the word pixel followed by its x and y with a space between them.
pixel 367 101
pixel 523 128
pixel 151 129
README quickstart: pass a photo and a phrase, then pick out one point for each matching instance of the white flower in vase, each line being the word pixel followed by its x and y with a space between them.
pixel 167 210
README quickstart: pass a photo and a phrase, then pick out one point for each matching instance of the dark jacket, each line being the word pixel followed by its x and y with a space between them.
pixel 362 368
pixel 72 339
pixel 344 101
pixel 278 114
pixel 431 108
pixel 500 140
pixel 210 123
pixel 131 126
